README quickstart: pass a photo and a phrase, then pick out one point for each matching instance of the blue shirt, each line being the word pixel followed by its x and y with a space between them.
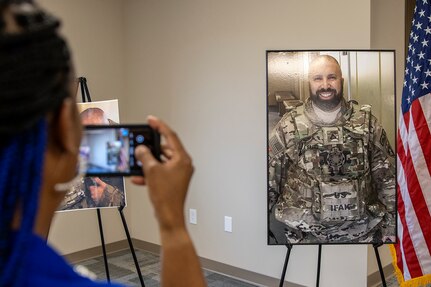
pixel 44 267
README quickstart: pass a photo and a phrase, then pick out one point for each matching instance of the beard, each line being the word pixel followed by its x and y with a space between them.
pixel 327 105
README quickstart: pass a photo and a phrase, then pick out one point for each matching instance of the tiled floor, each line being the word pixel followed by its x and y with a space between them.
pixel 122 269
pixel 390 282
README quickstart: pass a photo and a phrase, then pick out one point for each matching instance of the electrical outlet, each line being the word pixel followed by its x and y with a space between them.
pixel 228 224
pixel 193 216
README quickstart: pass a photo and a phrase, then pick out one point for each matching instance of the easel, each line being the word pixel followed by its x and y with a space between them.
pixel 319 259
pixel 85 93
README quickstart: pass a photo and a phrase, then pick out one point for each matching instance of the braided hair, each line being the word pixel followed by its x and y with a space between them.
pixel 34 69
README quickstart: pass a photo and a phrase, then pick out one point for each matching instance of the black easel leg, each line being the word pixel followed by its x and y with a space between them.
pixel 319 259
pixel 87 91
pixel 289 248
pixel 132 249
pixel 82 82
pixel 379 263
pixel 102 238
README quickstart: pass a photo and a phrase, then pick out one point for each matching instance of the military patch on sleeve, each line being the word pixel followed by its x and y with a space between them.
pixel 275 145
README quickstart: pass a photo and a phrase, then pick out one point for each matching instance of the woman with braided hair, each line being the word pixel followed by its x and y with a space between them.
pixel 40 133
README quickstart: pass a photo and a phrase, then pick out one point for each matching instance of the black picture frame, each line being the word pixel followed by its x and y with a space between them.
pixel 370 72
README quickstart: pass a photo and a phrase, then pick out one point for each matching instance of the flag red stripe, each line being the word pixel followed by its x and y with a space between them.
pixel 422 131
pixel 399 258
pixel 411 258
pixel 409 251
pixel 418 201
pixel 416 195
pixel 406 117
pixel 400 148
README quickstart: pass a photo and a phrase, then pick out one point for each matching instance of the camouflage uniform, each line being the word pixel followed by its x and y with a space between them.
pixel 331 183
pixel 79 195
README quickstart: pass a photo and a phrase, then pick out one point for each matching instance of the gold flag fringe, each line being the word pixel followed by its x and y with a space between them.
pixel 423 281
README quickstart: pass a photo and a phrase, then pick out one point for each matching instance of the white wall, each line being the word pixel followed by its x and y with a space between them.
pixel 94 30
pixel 201 66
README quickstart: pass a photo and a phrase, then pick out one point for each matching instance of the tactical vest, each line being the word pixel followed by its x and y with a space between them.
pixel 336 161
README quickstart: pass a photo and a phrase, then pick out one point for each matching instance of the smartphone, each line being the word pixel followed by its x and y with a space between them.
pixel 109 150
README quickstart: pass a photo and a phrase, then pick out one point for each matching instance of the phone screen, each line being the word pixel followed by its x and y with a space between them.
pixel 110 150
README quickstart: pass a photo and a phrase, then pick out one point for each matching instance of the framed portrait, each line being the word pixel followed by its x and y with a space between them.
pixel 98 192
pixel 331 130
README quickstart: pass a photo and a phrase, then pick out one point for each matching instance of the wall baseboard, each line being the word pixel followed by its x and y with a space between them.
pixel 225 269
pixel 89 253
pixel 222 268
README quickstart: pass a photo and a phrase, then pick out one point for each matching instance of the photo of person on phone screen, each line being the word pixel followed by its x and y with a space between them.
pixel 93 192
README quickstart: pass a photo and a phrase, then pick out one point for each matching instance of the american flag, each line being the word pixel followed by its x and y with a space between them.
pixel 413 251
